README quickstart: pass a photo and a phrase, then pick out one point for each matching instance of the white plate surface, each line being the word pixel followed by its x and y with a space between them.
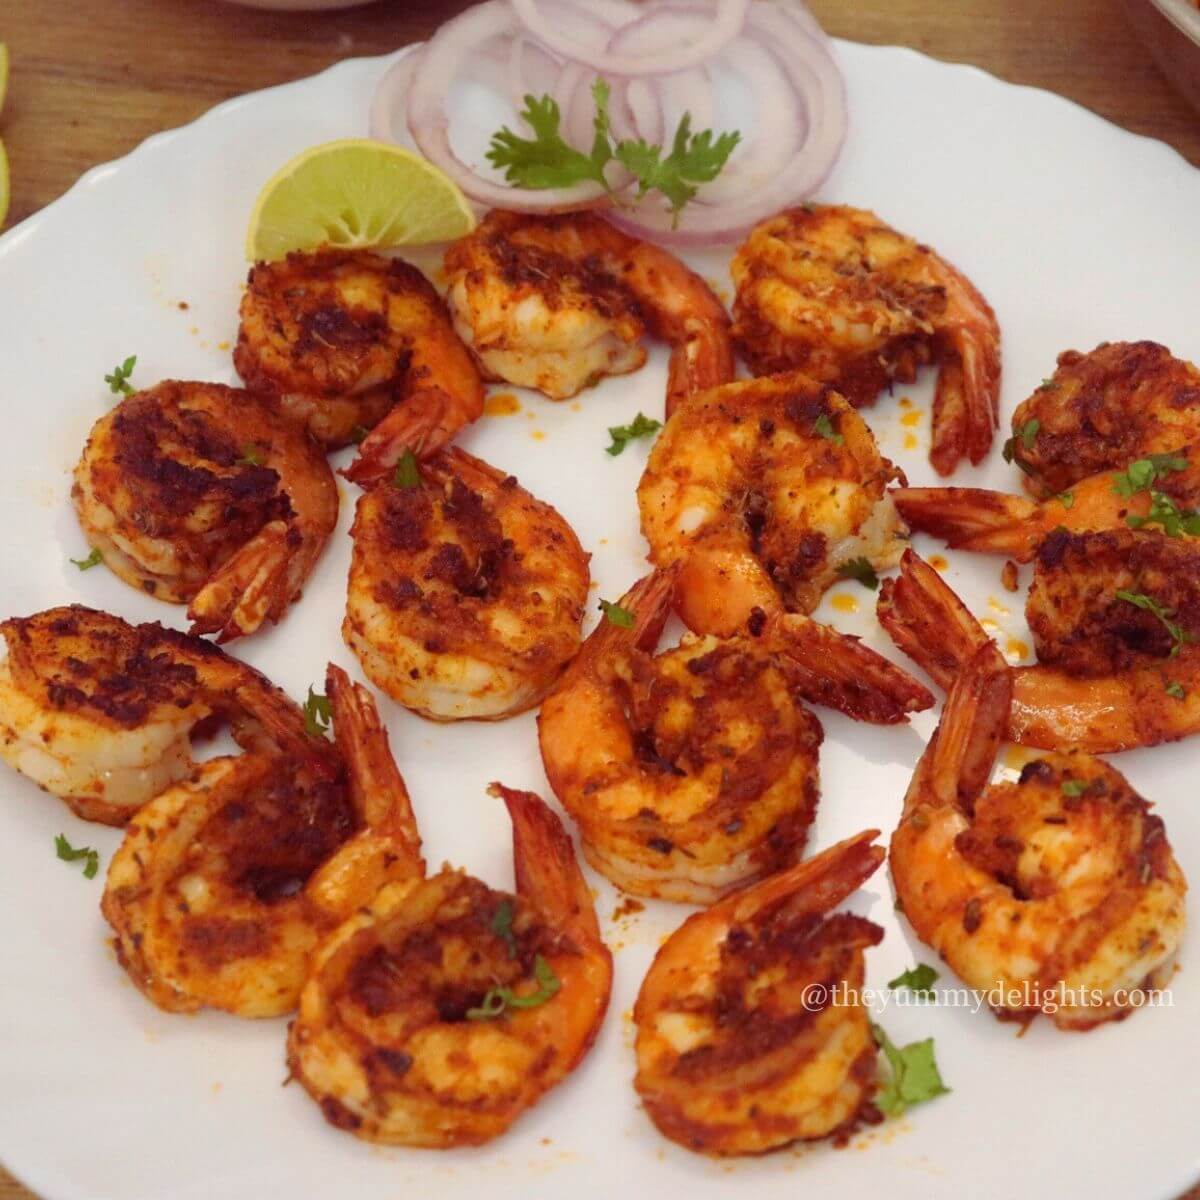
pixel 1075 231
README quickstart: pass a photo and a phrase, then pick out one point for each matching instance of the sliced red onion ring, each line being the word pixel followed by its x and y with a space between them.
pixel 439 65
pixel 390 101
pixel 817 94
pixel 724 24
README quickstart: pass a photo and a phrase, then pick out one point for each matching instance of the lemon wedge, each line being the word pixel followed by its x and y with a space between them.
pixel 355 193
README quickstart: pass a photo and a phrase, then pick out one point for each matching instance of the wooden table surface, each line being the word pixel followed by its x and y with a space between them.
pixel 90 82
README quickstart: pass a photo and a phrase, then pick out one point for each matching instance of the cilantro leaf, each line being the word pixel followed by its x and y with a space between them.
pixel 118 378
pixel 68 853
pixel 823 427
pixel 93 560
pixel 1175 690
pixel 1145 472
pixel 408 474
pixel 860 569
pixel 617 615
pixel 695 158
pixel 1066 499
pixel 250 456
pixel 318 712
pixel 918 979
pixel 641 426
pixel 500 998
pixel 1074 787
pixel 546 160
pixel 913 1077
pixel 1148 604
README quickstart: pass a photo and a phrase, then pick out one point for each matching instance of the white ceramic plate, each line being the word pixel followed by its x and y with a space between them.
pixel 1075 231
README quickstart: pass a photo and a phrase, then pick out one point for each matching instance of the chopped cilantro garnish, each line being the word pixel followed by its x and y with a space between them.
pixel 641 426
pixel 860 569
pixel 616 614
pixel 919 979
pixel 823 427
pixel 498 999
pixel 913 1076
pixel 118 378
pixel 408 475
pixel 93 560
pixel 318 712
pixel 68 853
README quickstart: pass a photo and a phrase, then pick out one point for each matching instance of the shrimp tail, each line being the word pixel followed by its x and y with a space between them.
pixel 701 357
pixel 547 871
pixel 814 886
pixel 928 621
pixel 966 404
pixel 424 423
pixel 959 758
pixel 838 671
pixel 262 717
pixel 649 602
pixel 377 789
pixel 973 519
pixel 253 585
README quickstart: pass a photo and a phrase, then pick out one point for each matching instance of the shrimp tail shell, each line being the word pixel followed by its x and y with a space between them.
pixel 973 519
pixel 544 862
pixel 838 671
pixel 924 617
pixel 250 587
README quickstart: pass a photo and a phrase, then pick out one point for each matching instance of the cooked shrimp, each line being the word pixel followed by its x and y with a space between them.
pixel 694 771
pixel 226 882
pixel 466 593
pixel 1061 889
pixel 997 523
pixel 763 489
pixel 198 493
pixel 444 1009
pixel 842 296
pixel 741 1048
pixel 99 712
pixel 556 303
pixel 1121 402
pixel 341 337
pixel 1114 678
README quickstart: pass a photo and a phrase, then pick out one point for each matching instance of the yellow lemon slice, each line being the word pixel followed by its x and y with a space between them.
pixel 355 193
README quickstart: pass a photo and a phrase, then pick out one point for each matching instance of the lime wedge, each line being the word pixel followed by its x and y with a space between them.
pixel 355 193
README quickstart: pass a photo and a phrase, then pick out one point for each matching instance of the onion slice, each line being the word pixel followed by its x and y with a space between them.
pixel 435 73
pixel 721 27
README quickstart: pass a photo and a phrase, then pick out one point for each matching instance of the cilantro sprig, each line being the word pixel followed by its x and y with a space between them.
pixel 85 854
pixel 499 999
pixel 502 926
pixel 913 1075
pixel 1179 635
pixel 641 426
pixel 860 569
pixel 548 160
pixel 251 456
